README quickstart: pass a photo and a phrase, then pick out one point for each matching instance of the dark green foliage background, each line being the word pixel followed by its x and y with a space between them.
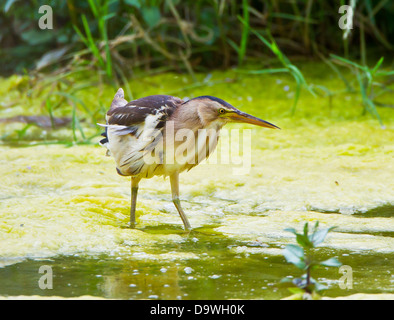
pixel 191 35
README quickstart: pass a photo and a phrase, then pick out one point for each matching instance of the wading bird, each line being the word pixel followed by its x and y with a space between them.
pixel 149 137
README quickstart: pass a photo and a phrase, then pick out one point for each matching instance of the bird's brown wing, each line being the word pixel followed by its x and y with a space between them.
pixel 129 118
pixel 135 112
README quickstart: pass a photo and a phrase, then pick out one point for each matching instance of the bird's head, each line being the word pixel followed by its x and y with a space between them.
pixel 211 109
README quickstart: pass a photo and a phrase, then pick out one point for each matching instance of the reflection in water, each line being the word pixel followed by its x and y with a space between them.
pixel 144 283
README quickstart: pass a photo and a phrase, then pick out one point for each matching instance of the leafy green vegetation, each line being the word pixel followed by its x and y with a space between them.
pixel 119 36
pixel 301 256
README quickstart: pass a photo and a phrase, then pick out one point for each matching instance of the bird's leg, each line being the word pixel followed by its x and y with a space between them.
pixel 134 192
pixel 175 198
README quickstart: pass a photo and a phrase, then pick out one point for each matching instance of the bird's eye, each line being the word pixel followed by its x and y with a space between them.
pixel 222 111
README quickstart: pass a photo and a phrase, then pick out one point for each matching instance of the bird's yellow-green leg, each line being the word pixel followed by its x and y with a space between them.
pixel 175 198
pixel 134 192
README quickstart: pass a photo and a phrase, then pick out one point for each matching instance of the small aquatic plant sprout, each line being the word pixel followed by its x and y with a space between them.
pixel 301 256
pixel 150 136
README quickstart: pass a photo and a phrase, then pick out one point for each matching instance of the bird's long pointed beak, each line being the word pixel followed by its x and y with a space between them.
pixel 247 118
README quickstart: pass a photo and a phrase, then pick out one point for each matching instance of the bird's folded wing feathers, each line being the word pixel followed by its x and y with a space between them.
pixel 136 112
pixel 143 118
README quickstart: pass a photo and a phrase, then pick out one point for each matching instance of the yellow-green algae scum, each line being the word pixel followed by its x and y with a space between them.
pixel 328 164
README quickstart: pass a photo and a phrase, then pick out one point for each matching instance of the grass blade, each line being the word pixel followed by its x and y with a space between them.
pixel 245 32
pixel 346 61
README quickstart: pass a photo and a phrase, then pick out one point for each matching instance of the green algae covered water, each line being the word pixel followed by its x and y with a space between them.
pixel 67 209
